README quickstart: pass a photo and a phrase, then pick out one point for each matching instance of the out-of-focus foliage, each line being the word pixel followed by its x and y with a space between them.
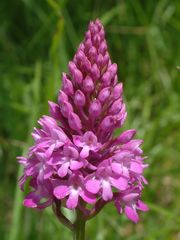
pixel 37 38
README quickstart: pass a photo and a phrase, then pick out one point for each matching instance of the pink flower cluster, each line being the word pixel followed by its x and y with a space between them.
pixel 76 158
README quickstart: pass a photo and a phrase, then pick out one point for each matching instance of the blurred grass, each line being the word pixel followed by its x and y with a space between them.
pixel 37 38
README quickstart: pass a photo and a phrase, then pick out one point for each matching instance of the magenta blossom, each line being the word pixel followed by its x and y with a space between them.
pixel 76 161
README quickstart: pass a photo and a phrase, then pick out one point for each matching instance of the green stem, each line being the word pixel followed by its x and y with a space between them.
pixel 79 227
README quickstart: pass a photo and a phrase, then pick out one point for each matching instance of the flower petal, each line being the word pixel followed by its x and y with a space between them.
pixel 72 201
pixel 119 183
pixel 48 171
pixel 88 197
pixel 142 206
pixel 70 152
pixel 49 151
pixel 85 152
pixel 106 190
pixel 75 165
pixel 131 214
pixel 63 170
pixel 61 192
pixel 31 200
pixel 93 185
pixel 136 168
pixel 78 141
pixel 117 167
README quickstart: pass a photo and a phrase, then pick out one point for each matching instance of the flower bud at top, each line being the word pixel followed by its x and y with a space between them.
pixel 88 44
pixel 66 108
pixel 87 35
pixel 88 84
pixel 117 91
pixel 113 70
pixel 126 136
pixel 95 108
pixel 102 33
pixel 107 123
pixel 74 121
pixel 79 98
pixel 104 94
pixel 71 66
pixel 75 73
pixel 106 59
pixel 115 107
pixel 100 60
pixel 96 40
pixel 103 48
pixel 77 76
pixel 92 53
pixel 62 97
pixel 86 65
pixel 67 85
pixel 80 56
pixel 106 79
pixel 95 73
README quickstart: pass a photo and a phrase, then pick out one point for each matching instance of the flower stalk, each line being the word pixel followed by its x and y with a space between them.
pixel 79 226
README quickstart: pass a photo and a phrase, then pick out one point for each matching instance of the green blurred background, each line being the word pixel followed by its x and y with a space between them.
pixel 37 39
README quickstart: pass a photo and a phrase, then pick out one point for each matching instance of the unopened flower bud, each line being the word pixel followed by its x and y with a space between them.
pixel 62 97
pixel 79 98
pixel 77 76
pixel 107 123
pixel 126 136
pixel 104 94
pixel 106 59
pixel 92 53
pixel 80 56
pixel 106 79
pixel 95 73
pixel 88 44
pixel 113 70
pixel 117 91
pixel 66 108
pixel 88 84
pixel 100 60
pixel 74 121
pixel 95 109
pixel 67 85
pixel 115 107
pixel 71 67
pixel 103 48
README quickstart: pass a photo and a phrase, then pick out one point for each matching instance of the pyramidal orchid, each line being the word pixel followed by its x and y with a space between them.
pixel 76 162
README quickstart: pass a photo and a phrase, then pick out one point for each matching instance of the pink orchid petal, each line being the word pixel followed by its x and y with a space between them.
pixel 84 152
pixel 117 167
pixel 88 197
pixel 118 207
pixel 72 201
pixel 119 183
pixel 63 170
pixel 131 214
pixel 142 206
pixel 75 165
pixel 61 192
pixel 31 200
pixel 48 171
pixel 136 168
pixel 130 197
pixel 78 141
pixel 50 150
pixel 106 190
pixel 93 185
